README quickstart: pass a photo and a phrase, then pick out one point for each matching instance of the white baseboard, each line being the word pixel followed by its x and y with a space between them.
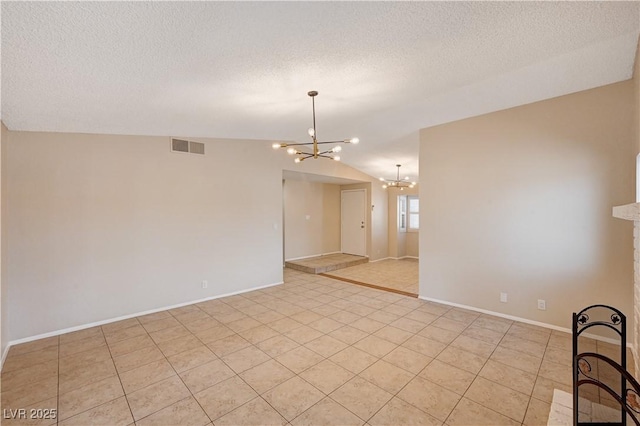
pixel 313 255
pixel 4 355
pixel 124 317
pixel 378 260
pixel 520 319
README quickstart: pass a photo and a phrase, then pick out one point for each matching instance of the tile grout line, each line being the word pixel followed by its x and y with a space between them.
pixel 378 359
pixel 174 370
pixel 270 358
pixel 219 358
pixel 170 364
pixel 297 374
pixel 118 375
pixel 478 373
pixel 112 360
pixel 536 379
pixel 228 366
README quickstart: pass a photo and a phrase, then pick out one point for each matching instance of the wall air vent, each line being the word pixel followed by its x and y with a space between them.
pixel 196 148
pixel 181 145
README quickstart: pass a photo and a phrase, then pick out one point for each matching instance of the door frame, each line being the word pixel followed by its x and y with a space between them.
pixel 364 215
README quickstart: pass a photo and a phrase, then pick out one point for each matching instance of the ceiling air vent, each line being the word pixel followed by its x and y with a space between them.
pixel 181 145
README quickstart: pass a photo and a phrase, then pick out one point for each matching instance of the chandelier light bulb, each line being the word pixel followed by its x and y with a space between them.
pixel 336 157
pixel 406 178
pixel 354 141
pixel 291 151
pixel 311 131
pixel 337 149
pixel 402 189
pixel 297 160
pixel 276 146
pixel 384 186
pixel 381 179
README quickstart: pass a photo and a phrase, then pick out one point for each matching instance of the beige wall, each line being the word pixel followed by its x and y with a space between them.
pixel 311 219
pixel 401 244
pixel 4 331
pixel 519 201
pixel 102 226
pixel 412 244
pixel 331 218
pixel 636 91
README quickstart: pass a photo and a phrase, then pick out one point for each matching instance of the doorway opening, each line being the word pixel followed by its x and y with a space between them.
pixel 313 221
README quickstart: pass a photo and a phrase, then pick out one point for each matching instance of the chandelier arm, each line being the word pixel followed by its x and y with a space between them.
pixel 296 144
pixel 320 143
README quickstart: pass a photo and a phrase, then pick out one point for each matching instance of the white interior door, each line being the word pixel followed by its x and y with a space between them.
pixel 353 222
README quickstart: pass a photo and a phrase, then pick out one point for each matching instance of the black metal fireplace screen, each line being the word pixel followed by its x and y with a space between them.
pixel 601 381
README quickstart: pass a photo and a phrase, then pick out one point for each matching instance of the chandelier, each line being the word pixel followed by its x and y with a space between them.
pixel 292 148
pixel 397 182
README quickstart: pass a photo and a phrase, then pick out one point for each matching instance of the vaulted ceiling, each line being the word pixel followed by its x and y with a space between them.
pixel 383 70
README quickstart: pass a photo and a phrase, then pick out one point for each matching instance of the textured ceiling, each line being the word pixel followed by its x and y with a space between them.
pixel 242 69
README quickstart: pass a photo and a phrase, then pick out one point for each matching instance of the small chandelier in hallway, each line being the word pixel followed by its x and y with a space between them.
pixel 316 152
pixel 397 182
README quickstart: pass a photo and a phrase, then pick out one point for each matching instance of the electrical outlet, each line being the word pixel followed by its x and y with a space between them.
pixel 503 297
pixel 205 284
pixel 542 305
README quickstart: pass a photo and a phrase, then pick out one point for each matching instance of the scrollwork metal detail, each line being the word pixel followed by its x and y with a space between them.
pixel 633 400
pixel 588 366
pixel 584 367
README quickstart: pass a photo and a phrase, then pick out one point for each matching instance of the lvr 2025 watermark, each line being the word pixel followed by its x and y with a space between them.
pixel 33 413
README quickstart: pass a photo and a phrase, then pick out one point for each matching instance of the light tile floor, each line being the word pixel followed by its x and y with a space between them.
pixel 389 273
pixel 311 351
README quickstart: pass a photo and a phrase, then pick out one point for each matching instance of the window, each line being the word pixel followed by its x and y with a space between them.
pixel 414 213
pixel 402 213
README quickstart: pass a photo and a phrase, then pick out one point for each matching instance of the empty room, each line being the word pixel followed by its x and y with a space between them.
pixel 319 213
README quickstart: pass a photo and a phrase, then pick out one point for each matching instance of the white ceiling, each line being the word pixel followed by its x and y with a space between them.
pixel 243 69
